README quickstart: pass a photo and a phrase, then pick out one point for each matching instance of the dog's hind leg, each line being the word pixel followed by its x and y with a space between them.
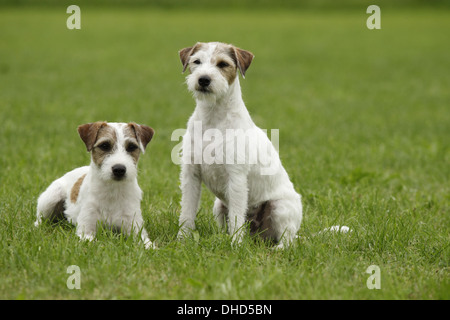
pixel 260 219
pixel 276 220
pixel 51 203
pixel 286 218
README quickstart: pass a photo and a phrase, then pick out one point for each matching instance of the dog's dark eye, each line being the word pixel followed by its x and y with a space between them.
pixel 222 64
pixel 131 147
pixel 197 61
pixel 105 146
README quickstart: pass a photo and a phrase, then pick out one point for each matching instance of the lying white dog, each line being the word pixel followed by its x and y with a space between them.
pixel 107 191
pixel 258 191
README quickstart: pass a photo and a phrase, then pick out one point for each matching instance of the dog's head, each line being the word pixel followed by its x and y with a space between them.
pixel 213 67
pixel 115 147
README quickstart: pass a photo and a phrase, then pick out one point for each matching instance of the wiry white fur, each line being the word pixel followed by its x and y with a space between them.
pixel 238 187
pixel 101 198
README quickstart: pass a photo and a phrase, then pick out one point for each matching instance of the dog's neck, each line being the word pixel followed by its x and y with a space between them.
pixel 215 108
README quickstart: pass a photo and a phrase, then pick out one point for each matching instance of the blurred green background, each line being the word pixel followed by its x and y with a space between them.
pixel 255 4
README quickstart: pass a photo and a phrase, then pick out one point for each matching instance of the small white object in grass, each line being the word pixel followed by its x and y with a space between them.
pixel 336 229
pixel 341 229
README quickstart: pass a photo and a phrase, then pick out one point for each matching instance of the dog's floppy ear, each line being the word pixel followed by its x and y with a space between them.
pixel 186 53
pixel 243 59
pixel 88 133
pixel 143 134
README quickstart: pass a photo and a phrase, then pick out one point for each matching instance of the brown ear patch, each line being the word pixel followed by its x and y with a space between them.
pixel 88 133
pixel 243 59
pixel 143 133
pixel 186 53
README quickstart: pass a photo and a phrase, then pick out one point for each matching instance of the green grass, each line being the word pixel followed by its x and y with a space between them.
pixel 364 123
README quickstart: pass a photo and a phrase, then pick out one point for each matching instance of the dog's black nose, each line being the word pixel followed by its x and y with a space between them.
pixel 119 170
pixel 204 81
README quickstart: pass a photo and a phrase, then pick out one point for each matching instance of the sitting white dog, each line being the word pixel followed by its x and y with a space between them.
pixel 107 191
pixel 257 191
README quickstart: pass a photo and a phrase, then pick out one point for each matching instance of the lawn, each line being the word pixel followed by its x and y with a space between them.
pixel 364 124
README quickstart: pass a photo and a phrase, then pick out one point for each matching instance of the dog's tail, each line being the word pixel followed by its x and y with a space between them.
pixel 51 203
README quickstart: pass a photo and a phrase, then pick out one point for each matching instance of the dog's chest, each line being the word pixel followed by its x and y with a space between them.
pixel 113 201
pixel 215 177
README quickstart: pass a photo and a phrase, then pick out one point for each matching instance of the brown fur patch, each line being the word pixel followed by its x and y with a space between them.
pixel 243 59
pixel 58 211
pixel 261 221
pixel 186 53
pixel 224 54
pixel 76 189
pixel 106 134
pixel 142 133
pixel 88 133
pixel 139 135
pixel 131 137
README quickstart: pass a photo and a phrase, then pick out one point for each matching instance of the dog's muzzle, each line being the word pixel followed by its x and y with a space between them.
pixel 204 82
pixel 118 171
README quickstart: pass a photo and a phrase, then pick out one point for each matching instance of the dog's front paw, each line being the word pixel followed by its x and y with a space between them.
pixel 86 237
pixel 38 222
pixel 237 238
pixel 149 245
pixel 183 233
